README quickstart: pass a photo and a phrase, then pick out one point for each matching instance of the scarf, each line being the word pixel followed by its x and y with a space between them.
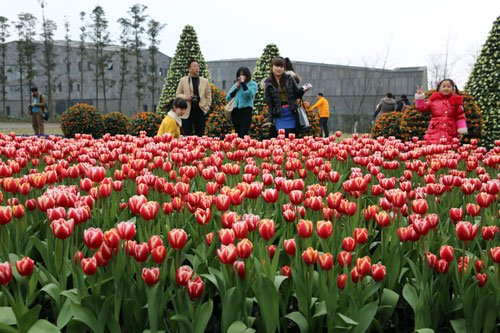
pixel 175 117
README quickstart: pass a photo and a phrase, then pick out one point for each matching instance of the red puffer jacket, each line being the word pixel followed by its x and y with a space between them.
pixel 447 115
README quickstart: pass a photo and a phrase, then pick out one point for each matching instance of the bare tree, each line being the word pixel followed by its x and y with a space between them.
pixel 101 39
pixel 154 28
pixel 81 50
pixel 26 49
pixel 441 65
pixel 4 34
pixel 124 59
pixel 49 55
pixel 67 60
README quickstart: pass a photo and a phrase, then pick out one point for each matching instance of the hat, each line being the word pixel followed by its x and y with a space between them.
pixel 34 88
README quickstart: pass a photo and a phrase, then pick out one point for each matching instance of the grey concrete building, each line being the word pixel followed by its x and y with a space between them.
pixel 83 91
pixel 353 92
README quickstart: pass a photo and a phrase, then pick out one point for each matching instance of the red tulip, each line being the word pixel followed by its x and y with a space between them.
pixel 240 229
pixel 484 199
pixel 433 220
pixel 495 254
pixel 93 238
pixel 456 214
pixel 466 231
pixel 310 256
pixel 86 184
pixel 270 195
pixel 305 228
pixel 360 235
pixel 481 278
pixel 96 174
pixel 62 228
pixel 479 265
pixel 290 247
pixel 431 259
pixel 183 275
pixel 378 272
pixel 382 218
pixel 442 266
pixel 195 288
pixel 112 238
pixel 447 252
pixel 77 257
pixel 150 275
pixel 344 258
pixel 158 254
pixel 126 230
pixel 141 252
pixel 203 216
pixel 463 263
pixel 244 248
pixel 325 261
pixel 209 238
pixel 489 232
pixel 135 203
pixel 267 229
pixel 177 238
pixel 348 244
pixel 5 214
pixel 149 210
pixel 324 229
pixel 226 236
pixel 421 226
pixel 472 209
pixel 229 218
pixel 227 254
pixel 341 281
pixel 286 271
pixel 154 242
pixel 25 266
pixel 420 206
pixel 239 267
pixel 18 211
pixel 363 265
pixel 89 265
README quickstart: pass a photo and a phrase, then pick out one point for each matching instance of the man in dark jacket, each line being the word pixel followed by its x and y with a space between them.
pixel 37 107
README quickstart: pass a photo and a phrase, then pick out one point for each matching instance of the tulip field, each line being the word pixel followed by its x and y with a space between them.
pixel 142 234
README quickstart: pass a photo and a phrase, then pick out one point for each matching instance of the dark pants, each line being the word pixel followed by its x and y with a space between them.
pixel 194 124
pixel 242 119
pixel 37 122
pixel 323 121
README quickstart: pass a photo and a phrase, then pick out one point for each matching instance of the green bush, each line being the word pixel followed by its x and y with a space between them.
pixel 216 124
pixel 116 123
pixel 82 118
pixel 145 121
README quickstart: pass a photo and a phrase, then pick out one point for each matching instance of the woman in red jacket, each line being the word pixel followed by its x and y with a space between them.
pixel 447 113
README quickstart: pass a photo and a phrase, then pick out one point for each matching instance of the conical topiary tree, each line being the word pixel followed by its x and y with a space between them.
pixel 187 49
pixel 483 85
pixel 261 71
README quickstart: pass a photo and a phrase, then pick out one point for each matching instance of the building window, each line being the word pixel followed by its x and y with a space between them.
pixel 70 88
pixel 7 110
pixel 144 108
pixel 109 66
pixel 154 107
pixel 78 86
pixel 223 85
pixel 59 86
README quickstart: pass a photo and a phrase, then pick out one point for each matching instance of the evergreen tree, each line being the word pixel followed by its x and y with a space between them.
pixel 187 49
pixel 67 60
pixel 261 71
pixel 26 49
pixel 483 85
pixel 154 29
pixel 100 39
pixel 4 34
pixel 49 55
pixel 81 51
pixel 124 60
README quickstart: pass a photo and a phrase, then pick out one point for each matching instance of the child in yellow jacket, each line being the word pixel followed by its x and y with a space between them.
pixel 172 123
pixel 324 113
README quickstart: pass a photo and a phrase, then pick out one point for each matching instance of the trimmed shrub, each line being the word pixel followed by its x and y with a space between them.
pixel 116 123
pixel 82 118
pixel 413 123
pixel 145 121
pixel 216 124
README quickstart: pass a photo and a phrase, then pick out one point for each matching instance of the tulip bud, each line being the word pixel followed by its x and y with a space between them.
pixel 177 238
pixel 151 275
pixel 310 256
pixel 126 230
pixel 446 252
pixel 341 281
pixel 239 267
pixel 244 248
pixel 325 261
pixel 195 288
pixel 344 258
pixel 25 266
pixel 378 272
pixel 183 275
pixel 89 265
pixel 348 244
pixel 227 254
pixel 286 271
pixel 93 238
pixel 305 228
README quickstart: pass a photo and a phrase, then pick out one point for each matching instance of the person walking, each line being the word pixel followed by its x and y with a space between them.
pixel 243 92
pixel 37 107
pixel 281 92
pixel 198 95
pixel 402 103
pixel 386 105
pixel 324 113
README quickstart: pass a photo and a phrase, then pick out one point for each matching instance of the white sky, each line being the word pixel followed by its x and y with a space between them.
pixel 345 32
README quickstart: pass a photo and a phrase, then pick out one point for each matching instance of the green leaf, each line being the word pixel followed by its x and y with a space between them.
pixel 72 294
pixel 30 317
pixel 239 327
pixel 267 297
pixel 320 309
pixel 410 295
pixel 7 329
pixel 388 302
pixel 65 314
pixel 366 315
pixel 202 316
pixel 299 319
pixel 425 330
pixel 7 316
pixel 43 326
pixel 278 280
pixel 182 319
pixel 232 305
pixel 53 291
pixel 347 320
pixel 84 315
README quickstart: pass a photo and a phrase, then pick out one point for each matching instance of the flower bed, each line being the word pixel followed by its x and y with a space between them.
pixel 138 234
